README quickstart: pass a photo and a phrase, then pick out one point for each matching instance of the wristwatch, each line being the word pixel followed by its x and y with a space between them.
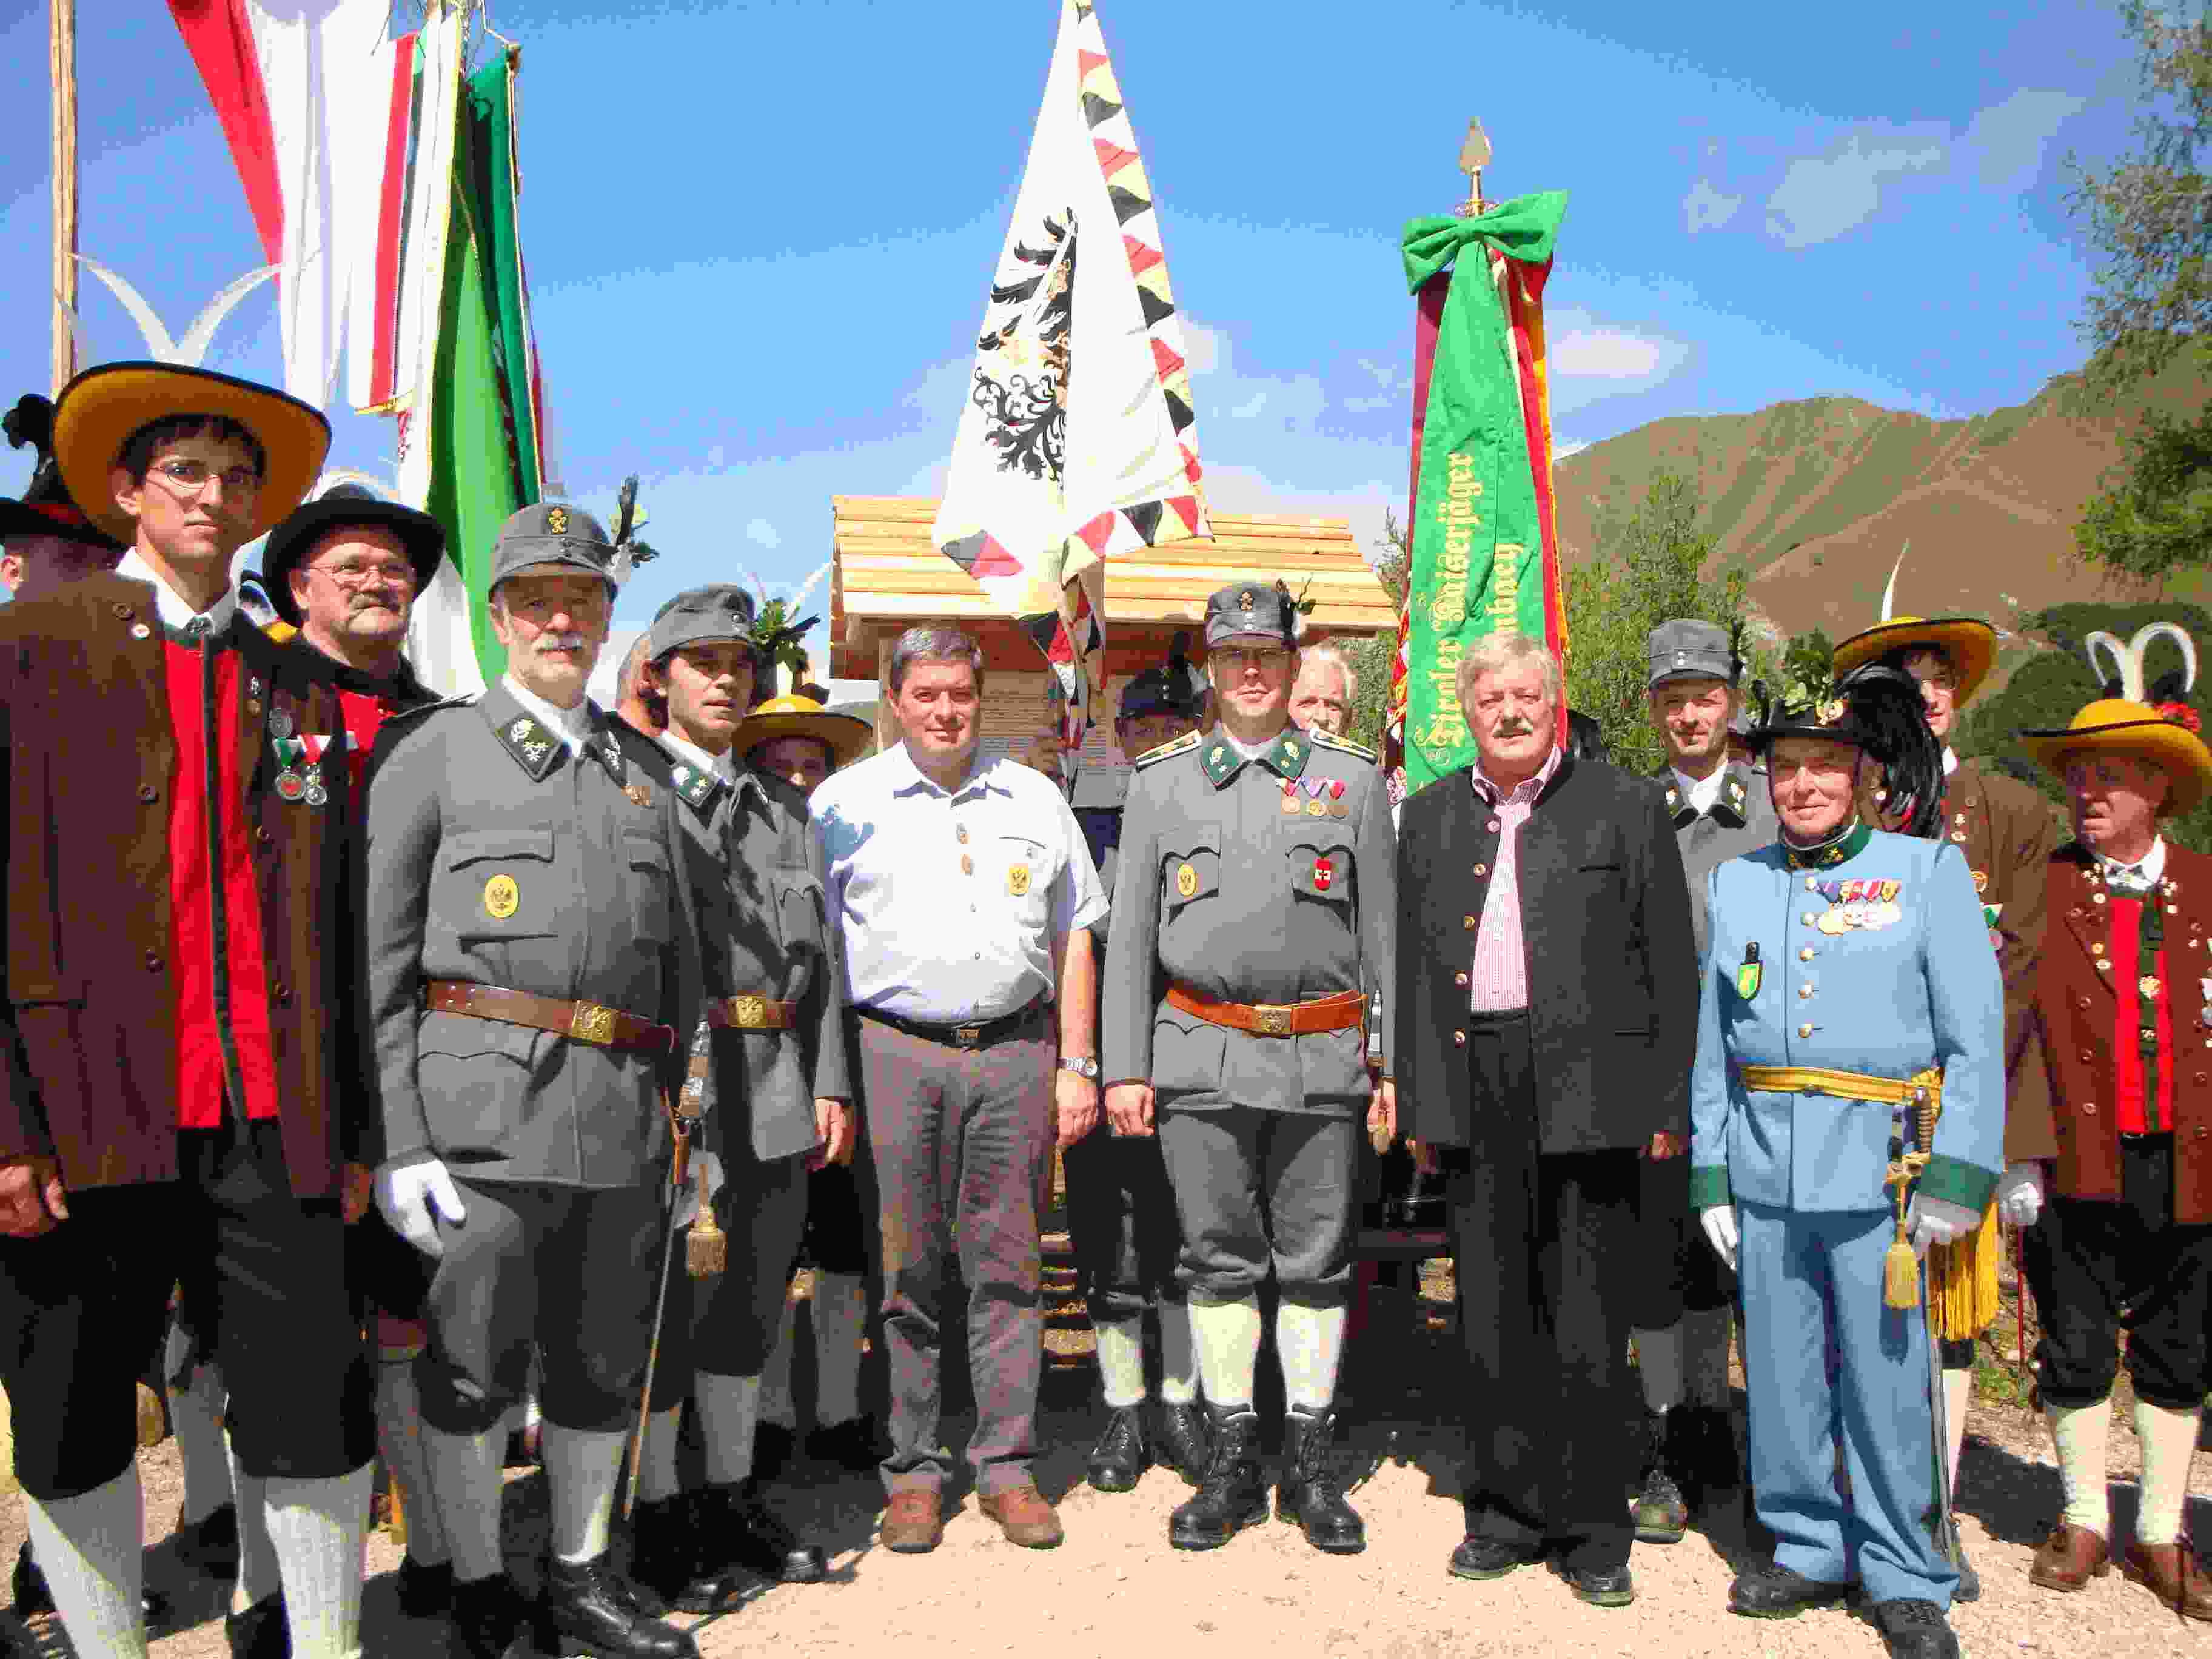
pixel 1081 1067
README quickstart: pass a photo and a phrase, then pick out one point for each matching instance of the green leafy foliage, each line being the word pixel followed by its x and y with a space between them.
pixel 2154 518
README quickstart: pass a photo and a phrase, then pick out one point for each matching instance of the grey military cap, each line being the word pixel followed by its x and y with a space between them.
pixel 1684 649
pixel 718 611
pixel 1250 611
pixel 553 532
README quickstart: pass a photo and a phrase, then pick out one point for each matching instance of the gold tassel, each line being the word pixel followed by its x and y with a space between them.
pixel 1962 1282
pixel 1900 1274
pixel 706 1252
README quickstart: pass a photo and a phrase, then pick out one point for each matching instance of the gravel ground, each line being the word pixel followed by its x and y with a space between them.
pixel 1115 1588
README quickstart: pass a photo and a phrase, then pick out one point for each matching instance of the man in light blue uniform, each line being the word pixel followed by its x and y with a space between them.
pixel 1860 958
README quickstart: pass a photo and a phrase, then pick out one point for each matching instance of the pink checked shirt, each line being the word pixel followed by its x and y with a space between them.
pixel 1499 983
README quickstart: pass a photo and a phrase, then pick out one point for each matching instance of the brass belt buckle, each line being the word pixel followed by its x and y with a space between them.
pixel 592 1023
pixel 967 1036
pixel 1275 1019
pixel 748 1014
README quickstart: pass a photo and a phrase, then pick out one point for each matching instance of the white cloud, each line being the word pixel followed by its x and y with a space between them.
pixel 2007 141
pixel 1591 359
pixel 1706 209
pixel 1821 197
pixel 1204 347
pixel 761 533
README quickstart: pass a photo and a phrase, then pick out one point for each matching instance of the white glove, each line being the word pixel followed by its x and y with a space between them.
pixel 1719 1223
pixel 1938 1221
pixel 2020 1194
pixel 413 1196
pixel 686 1207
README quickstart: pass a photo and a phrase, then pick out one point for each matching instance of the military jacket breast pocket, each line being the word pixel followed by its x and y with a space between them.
pixel 1188 876
pixel 798 907
pixel 1321 871
pixel 646 856
pixel 498 884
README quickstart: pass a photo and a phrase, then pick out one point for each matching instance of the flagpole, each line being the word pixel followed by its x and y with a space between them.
pixel 61 69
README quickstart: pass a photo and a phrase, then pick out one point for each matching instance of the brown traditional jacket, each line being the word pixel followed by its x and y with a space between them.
pixel 87 1045
pixel 2077 1008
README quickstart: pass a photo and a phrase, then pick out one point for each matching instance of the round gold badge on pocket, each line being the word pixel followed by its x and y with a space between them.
pixel 1018 880
pixel 502 897
pixel 1187 880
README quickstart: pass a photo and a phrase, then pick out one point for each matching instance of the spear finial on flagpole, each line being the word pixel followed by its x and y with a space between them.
pixel 1474 156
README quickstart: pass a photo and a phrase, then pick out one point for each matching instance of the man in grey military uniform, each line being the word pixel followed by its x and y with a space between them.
pixel 777 1066
pixel 1682 1305
pixel 530 965
pixel 1253 916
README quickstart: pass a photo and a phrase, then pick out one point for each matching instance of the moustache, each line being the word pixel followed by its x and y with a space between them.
pixel 560 642
pixel 1511 727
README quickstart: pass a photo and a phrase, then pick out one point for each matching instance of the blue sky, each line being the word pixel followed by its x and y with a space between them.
pixel 760 235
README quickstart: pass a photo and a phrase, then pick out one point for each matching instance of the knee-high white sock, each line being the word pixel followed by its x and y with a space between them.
pixel 400 1438
pixel 89 1547
pixel 1178 1356
pixel 656 1476
pixel 840 1318
pixel 2169 1442
pixel 776 1405
pixel 729 1412
pixel 195 1418
pixel 1659 1363
pixel 1309 1342
pixel 1121 1360
pixel 1958 1389
pixel 320 1530
pixel 260 1576
pixel 1227 1337
pixel 1705 1355
pixel 582 1469
pixel 464 1480
pixel 2080 1432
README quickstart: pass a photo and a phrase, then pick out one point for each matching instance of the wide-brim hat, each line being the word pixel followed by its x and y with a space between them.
pixel 423 536
pixel 1968 641
pixel 2120 726
pixel 847 735
pixel 99 411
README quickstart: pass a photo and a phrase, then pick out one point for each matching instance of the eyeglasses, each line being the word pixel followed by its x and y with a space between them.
pixel 191 478
pixel 1263 658
pixel 359 573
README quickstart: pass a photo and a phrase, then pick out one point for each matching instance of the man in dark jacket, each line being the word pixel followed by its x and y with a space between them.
pixel 1545 1020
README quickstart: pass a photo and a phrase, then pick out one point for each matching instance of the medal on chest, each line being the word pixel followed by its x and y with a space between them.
pixel 1863 903
pixel 1749 974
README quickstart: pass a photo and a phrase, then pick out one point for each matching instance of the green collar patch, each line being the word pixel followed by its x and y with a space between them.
pixel 533 747
pixel 1286 757
pixel 1849 846
pixel 696 787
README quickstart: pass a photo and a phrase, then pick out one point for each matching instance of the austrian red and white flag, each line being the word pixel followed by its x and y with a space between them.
pixel 1079 441
pixel 302 89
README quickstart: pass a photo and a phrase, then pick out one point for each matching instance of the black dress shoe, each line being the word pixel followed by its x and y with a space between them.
pixel 1772 1591
pixel 745 1532
pixel 425 1592
pixel 1233 1495
pixel 773 1444
pixel 262 1632
pixel 489 1613
pixel 583 1603
pixel 1601 1587
pixel 1491 1557
pixel 853 1444
pixel 1120 1456
pixel 1310 1492
pixel 210 1544
pixel 1180 1440
pixel 677 1558
pixel 1915 1630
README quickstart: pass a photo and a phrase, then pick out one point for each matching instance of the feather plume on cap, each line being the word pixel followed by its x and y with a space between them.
pixel 1879 710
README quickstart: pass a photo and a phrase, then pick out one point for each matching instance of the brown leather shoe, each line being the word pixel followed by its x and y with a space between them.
pixel 2070 1559
pixel 2173 1575
pixel 1025 1516
pixel 914 1522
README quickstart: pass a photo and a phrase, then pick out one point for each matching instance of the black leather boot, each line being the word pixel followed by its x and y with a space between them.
pixel 1234 1494
pixel 1120 1456
pixel 742 1531
pixel 584 1605
pixel 29 1585
pixel 489 1613
pixel 1310 1494
pixel 425 1592
pixel 672 1556
pixel 1661 1512
pixel 262 1632
pixel 1181 1439
pixel 210 1544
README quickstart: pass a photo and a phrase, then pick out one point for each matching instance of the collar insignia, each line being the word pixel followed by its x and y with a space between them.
pixel 531 744
pixel 695 786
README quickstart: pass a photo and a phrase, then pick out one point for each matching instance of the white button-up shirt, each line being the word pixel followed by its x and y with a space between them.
pixel 571 726
pixel 950 900
pixel 1700 793
pixel 170 605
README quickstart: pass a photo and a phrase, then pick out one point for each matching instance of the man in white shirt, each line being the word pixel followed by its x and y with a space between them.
pixel 965 896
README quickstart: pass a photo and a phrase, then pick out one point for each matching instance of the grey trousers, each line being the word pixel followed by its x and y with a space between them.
pixel 1256 1189
pixel 727 1322
pixel 568 1271
pixel 960 1140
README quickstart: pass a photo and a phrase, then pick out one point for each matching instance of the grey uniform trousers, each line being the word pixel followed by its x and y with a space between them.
pixel 1257 1189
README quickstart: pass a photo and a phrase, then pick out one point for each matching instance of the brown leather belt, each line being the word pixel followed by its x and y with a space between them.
pixel 1338 1013
pixel 582 1022
pixel 752 1014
